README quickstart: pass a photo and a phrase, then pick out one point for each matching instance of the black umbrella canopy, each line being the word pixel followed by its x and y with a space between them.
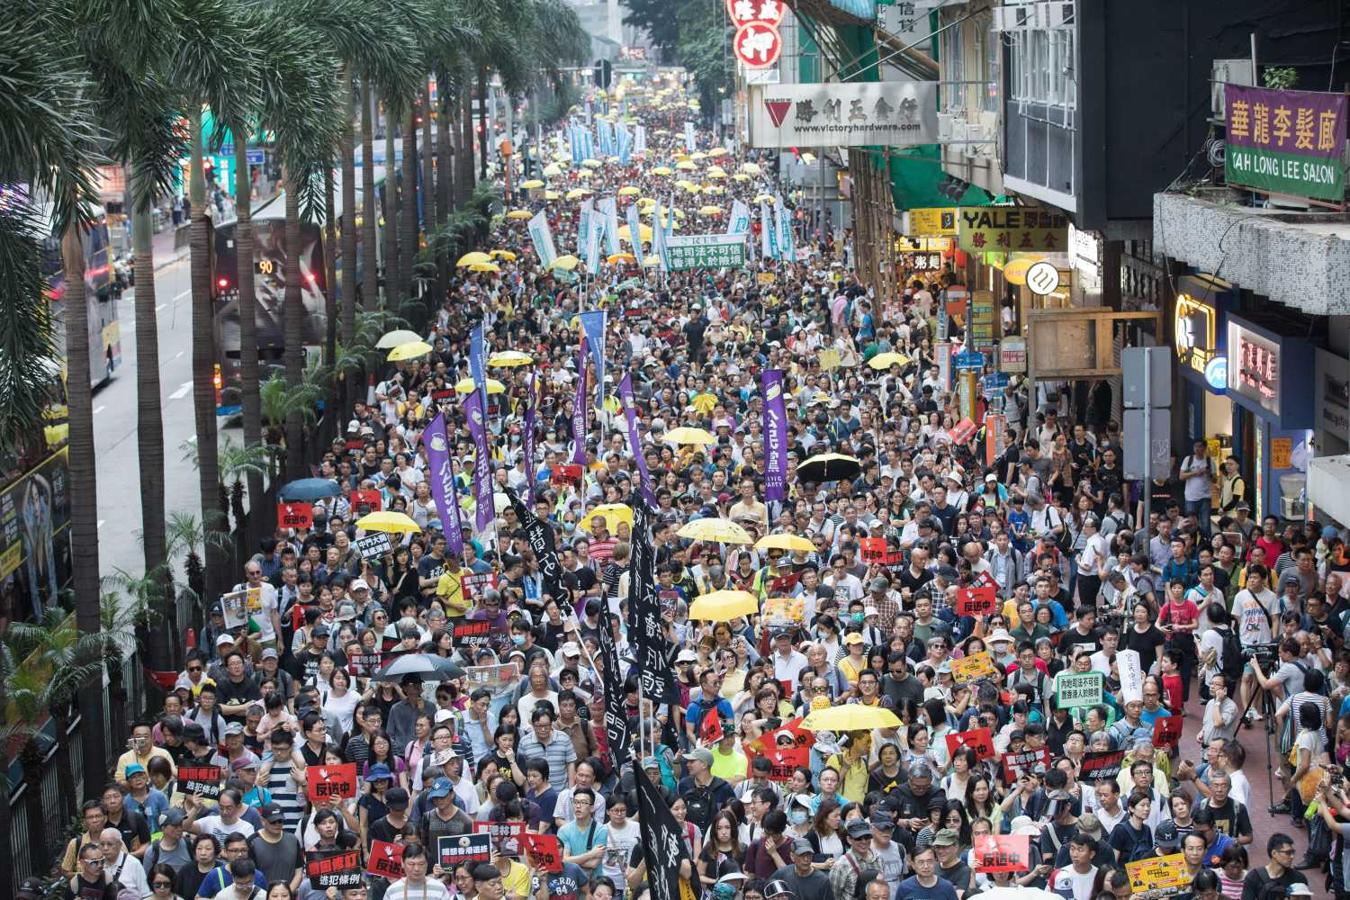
pixel 829 467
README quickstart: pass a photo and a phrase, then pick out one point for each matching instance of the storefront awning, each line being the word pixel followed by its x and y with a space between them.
pixel 1329 487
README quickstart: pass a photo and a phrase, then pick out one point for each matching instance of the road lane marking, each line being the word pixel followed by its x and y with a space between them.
pixel 187 293
pixel 182 391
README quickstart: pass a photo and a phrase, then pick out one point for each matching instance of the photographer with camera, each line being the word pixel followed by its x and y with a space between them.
pixel 1253 608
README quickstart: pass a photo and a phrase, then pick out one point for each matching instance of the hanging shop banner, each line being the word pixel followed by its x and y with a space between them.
pixel 706 251
pixel 757 45
pixel 1285 142
pixel 932 222
pixel 981 229
pixel 886 113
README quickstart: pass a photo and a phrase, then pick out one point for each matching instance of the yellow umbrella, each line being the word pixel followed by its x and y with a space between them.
pixel 510 358
pixel 710 210
pixel 465 386
pixel 591 163
pixel 566 263
pixel 687 435
pixel 740 177
pixel 698 154
pixel 532 184
pixel 686 165
pixel 575 194
pixel 717 151
pixel 410 350
pixel 644 232
pixel 552 170
pixel 629 191
pixel 612 513
pixel 789 542
pixel 716 172
pixel 763 198
pixel 713 189
pixel 394 339
pixel 552 195
pixel 520 215
pixel 720 531
pixel 388 520
pixel 477 256
pixel 585 173
pixel 646 201
pixel 750 168
pixel 886 360
pixel 620 257
pixel 690 187
pixel 485 267
pixel 662 171
pixel 851 717
pixel 723 606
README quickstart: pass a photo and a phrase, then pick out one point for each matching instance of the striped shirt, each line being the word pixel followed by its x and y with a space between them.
pixel 285 792
pixel 559 753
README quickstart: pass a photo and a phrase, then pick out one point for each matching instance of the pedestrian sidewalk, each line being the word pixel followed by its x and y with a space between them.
pixel 167 249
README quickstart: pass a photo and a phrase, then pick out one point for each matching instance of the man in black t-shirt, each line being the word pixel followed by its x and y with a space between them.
pixel 1275 877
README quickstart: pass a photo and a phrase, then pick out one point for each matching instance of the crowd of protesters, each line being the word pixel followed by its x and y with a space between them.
pixel 1235 624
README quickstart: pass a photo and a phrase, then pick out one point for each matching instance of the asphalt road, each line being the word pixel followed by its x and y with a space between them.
pixel 119 493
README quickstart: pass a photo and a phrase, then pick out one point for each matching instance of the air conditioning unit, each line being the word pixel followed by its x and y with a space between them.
pixel 947 123
pixel 1228 71
pixel 981 136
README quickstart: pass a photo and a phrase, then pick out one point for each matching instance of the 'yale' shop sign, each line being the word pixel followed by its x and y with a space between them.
pixel 1286 142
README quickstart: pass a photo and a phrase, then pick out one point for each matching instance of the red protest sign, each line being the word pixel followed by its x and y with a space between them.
pixel 546 850
pixel 385 860
pixel 981 740
pixel 327 782
pixel 1002 853
pixel 336 870
pixel 873 549
pixel 1101 764
pixel 369 499
pixel 1167 731
pixel 473 633
pixel 976 601
pixel 203 781
pixel 1015 765
pixel 295 515
pixel 567 474
pixel 710 727
pixel 475 585
pixel 784 584
pixel 962 431
pixel 505 835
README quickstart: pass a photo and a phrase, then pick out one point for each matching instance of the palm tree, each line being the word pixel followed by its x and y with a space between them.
pixel 214 64
pixel 50 140
pixel 51 662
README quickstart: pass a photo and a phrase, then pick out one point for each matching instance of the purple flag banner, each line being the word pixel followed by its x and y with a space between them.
pixel 442 476
pixel 475 410
pixel 634 440
pixel 775 436
pixel 527 442
pixel 579 408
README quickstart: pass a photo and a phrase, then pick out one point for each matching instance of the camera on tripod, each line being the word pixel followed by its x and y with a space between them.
pixel 1265 654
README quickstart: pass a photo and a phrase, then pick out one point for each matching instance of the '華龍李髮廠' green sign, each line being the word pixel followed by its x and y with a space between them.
pixel 1286 142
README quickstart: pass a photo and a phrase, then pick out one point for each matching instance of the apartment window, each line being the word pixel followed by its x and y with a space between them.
pixel 1041 66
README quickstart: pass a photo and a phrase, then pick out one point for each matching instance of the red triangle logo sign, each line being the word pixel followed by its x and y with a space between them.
pixel 778 110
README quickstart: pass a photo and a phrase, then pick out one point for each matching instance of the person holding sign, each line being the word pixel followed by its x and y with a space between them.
pixel 415 885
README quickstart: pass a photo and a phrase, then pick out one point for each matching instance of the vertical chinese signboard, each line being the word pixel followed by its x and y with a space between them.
pixel 1286 142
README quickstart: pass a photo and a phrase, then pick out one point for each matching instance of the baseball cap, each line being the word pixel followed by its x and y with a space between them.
pixel 853 637
pixel 135 769
pixel 991 477
pixel 946 837
pixel 880 584
pixel 441 787
pixel 224 639
pixel 271 812
pixel 1166 837
pixel 270 653
pixel 571 648
pixel 702 755
pixel 247 761
pixel 686 656
pixel 379 772
pixel 321 630
pixel 174 817
pixel 858 828
pixel 1089 824
pixel 1299 889
pixel 802 845
pixel 233 728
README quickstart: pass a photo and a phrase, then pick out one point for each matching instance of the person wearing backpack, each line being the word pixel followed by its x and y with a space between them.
pixel 1197 476
pixel 1218 648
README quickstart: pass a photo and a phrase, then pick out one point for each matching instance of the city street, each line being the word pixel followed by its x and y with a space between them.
pixel 119 498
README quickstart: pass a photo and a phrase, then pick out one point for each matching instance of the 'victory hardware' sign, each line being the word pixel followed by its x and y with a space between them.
pixel 886 113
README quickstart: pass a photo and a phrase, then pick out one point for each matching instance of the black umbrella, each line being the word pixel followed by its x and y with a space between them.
pixel 829 467
pixel 427 666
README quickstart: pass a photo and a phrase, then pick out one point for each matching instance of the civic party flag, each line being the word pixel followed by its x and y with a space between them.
pixel 625 144
pixel 579 407
pixel 640 139
pixel 583 226
pixel 767 245
pixel 634 438
pixel 442 477
pixel 609 208
pixel 542 236
pixel 475 411
pixel 739 221
pixel 787 248
pixel 775 435
pixel 593 324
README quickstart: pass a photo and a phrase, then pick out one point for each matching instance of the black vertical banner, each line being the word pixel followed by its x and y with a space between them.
pixel 648 634
pixel 540 535
pixel 663 846
pixel 616 716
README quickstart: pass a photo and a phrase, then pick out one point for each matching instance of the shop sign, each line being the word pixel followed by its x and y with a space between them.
pixel 1333 397
pixel 921 262
pixel 1286 142
pixel 982 318
pixel 758 45
pixel 1216 374
pixel 1254 367
pixel 855 114
pixel 1012 355
pixel 932 221
pixel 1195 328
pixel 981 229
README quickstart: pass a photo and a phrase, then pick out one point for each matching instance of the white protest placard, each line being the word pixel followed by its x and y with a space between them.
pixel 234 607
pixel 1131 676
pixel 374 545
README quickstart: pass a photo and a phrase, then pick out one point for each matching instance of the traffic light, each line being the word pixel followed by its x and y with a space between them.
pixel 604 73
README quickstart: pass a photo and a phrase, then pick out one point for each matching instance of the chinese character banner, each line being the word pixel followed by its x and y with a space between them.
pixel 1286 142
pixel 888 113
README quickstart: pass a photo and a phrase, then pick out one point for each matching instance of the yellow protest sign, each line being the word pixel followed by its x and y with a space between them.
pixel 765 278
pixel 934 221
pixel 1158 874
pixel 974 667
pixel 830 359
